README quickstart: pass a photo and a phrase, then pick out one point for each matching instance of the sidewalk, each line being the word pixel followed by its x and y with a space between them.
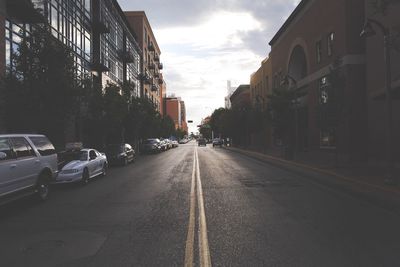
pixel 362 180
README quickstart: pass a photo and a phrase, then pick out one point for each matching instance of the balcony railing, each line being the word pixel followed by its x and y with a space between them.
pixel 151 47
pixel 157 58
pixel 26 11
pixel 98 67
pixel 126 56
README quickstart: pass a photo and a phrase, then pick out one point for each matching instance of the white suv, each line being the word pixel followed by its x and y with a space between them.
pixel 28 164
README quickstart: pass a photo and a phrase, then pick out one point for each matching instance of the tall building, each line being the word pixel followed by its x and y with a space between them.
pixel 230 91
pixel 97 32
pixel 175 108
pixel 241 97
pixel 151 65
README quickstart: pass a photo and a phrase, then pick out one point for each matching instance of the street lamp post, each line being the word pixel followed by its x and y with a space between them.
pixel 286 80
pixel 368 31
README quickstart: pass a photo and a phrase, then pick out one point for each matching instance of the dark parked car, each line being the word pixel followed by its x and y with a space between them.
pixel 217 142
pixel 121 154
pixel 151 146
pixel 202 142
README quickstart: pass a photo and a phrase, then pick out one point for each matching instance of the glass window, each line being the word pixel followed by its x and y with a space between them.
pixel 319 51
pixel 5 148
pixel 331 38
pixel 43 145
pixel 324 95
pixel 54 18
pixel 328 138
pixel 22 148
pixel 87 5
pixel 8 53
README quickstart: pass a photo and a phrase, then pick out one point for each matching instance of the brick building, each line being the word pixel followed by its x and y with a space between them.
pixel 151 66
pixel 318 35
pixel 175 108
pixel 375 82
pixel 260 89
pixel 241 97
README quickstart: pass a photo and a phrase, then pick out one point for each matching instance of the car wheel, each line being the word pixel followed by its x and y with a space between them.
pixel 104 170
pixel 42 187
pixel 85 177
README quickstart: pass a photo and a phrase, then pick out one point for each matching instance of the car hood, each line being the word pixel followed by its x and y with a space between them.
pixel 76 164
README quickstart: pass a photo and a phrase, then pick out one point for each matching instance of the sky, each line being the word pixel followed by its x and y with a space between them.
pixel 205 43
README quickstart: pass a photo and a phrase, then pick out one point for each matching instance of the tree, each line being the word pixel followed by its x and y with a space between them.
pixel 281 113
pixel 42 87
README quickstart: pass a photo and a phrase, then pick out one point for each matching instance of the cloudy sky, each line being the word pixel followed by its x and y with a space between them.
pixel 205 43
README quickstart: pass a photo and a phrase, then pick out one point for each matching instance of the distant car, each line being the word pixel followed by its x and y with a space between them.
pixel 85 164
pixel 168 143
pixel 28 164
pixel 202 142
pixel 164 145
pixel 151 146
pixel 217 142
pixel 183 141
pixel 175 143
pixel 121 154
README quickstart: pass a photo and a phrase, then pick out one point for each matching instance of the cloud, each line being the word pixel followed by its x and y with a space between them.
pixel 204 43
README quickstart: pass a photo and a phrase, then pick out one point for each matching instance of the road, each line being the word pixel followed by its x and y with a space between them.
pixel 198 206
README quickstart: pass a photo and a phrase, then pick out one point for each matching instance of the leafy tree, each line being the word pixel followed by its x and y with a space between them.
pixel 42 87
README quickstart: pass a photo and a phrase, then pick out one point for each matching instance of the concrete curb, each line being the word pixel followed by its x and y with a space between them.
pixel 387 197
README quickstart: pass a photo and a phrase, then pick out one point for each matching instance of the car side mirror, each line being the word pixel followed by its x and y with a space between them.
pixel 3 155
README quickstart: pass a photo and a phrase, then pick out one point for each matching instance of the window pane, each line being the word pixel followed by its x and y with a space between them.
pixel 43 146
pixel 22 147
pixel 5 148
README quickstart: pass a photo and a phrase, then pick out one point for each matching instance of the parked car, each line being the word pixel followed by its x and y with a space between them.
pixel 151 146
pixel 202 142
pixel 175 143
pixel 164 145
pixel 121 154
pixel 85 164
pixel 217 142
pixel 28 164
pixel 183 141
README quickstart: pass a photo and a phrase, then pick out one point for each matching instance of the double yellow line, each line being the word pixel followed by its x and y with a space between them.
pixel 204 251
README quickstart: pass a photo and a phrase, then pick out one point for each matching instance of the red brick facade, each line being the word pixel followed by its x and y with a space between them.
pixel 375 79
pixel 294 53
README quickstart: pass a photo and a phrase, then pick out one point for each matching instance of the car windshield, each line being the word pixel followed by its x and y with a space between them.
pixel 81 155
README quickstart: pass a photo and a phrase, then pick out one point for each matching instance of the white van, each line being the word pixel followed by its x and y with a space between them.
pixel 28 164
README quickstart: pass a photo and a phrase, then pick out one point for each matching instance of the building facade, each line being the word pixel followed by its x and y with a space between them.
pixel 151 66
pixel 175 108
pixel 241 97
pixel 318 37
pixel 97 32
pixel 375 84
pixel 260 89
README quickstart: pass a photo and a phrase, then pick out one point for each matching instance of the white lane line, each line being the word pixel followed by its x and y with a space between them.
pixel 190 235
pixel 204 250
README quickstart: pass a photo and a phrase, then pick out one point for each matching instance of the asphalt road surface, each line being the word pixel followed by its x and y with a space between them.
pixel 198 206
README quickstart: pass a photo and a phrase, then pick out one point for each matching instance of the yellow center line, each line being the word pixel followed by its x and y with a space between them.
pixel 191 227
pixel 204 250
